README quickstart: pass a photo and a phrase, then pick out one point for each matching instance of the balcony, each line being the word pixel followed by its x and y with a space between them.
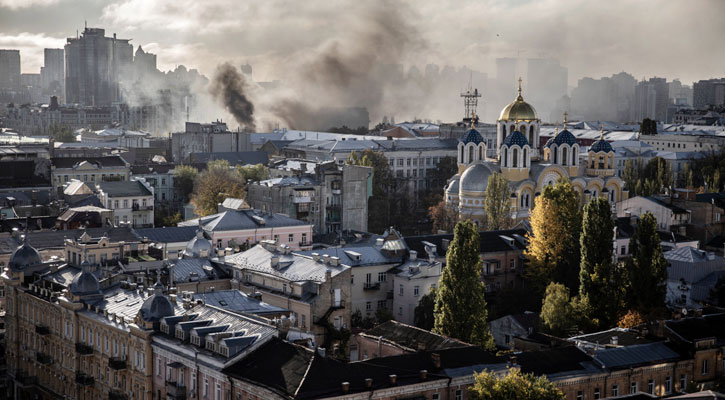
pixel 43 358
pixel 301 199
pixel 84 379
pixel 117 395
pixel 84 349
pixel 137 207
pixel 336 305
pixel 371 286
pixel 42 330
pixel 117 363
pixel 175 391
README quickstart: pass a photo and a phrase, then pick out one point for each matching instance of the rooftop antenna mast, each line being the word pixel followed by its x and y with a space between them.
pixel 470 100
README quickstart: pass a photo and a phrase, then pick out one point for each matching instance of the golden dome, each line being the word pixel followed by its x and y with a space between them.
pixel 518 110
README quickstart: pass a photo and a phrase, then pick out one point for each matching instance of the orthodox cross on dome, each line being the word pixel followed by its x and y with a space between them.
pixel 565 118
pixel 601 133
pixel 473 120
pixel 520 97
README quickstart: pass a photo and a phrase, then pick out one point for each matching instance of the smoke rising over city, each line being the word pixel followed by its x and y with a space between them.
pixel 396 58
pixel 228 87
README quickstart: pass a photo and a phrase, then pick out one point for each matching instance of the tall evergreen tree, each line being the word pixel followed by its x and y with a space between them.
pixel 498 202
pixel 646 269
pixel 598 286
pixel 460 308
pixel 553 250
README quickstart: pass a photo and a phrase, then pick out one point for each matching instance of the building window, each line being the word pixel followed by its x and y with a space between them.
pixel 459 394
pixel 705 367
pixel 291 238
pixel 668 385
pixel 368 306
pixel 683 382
pixel 579 395
pixel 435 396
pixel 633 388
pixel 615 390
pixel 304 238
pixel 381 276
pixel 206 387
pixel 218 394
pixel 651 386
pixel 416 291
pixel 382 304
pixel 400 310
pixel 623 250
pixel 400 292
pixel 597 394
pixel 276 238
pixel 304 321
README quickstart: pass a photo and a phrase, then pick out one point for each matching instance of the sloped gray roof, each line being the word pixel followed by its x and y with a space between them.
pixel 203 268
pixel 635 355
pixel 368 255
pixel 168 234
pixel 235 300
pixel 124 188
pixel 242 219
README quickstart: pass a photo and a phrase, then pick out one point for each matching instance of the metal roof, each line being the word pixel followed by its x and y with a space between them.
pixel 630 356
pixel 234 300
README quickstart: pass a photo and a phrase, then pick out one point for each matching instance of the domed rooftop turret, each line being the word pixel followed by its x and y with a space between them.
pixel 472 135
pixel 516 138
pixel 601 144
pixel 518 110
pixel 157 306
pixel 85 283
pixel 199 246
pixel 563 137
pixel 475 179
pixel 25 255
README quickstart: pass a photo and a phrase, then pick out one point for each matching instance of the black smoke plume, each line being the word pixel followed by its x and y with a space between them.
pixel 230 87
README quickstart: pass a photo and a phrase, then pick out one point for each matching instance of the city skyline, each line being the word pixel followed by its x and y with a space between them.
pixel 180 34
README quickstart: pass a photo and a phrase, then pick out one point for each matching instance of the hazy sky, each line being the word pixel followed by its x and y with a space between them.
pixel 671 38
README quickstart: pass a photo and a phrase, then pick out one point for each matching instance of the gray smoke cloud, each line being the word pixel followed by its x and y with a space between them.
pixel 230 88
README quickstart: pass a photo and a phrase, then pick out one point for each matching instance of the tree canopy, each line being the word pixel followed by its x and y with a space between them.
pixel 184 177
pixel 62 134
pixel 460 307
pixel 424 316
pixel 557 315
pixel 599 286
pixel 514 385
pixel 498 202
pixel 553 250
pixel 648 127
pixel 646 269
pixel 215 184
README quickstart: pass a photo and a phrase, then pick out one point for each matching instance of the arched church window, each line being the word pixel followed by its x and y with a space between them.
pixel 503 130
pixel 612 195
pixel 480 152
pixel 522 201
pixel 555 151
pixel 531 136
pixel 470 154
pixel 516 158
pixel 564 155
pixel 506 158
pixel 601 162
pixel 526 158
pixel 573 156
pixel 527 200
pixel 460 158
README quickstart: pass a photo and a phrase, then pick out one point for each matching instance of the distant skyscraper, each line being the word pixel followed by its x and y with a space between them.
pixel 651 99
pixel 94 66
pixel 506 73
pixel 52 73
pixel 710 92
pixel 10 70
pixel 546 82
pixel 144 63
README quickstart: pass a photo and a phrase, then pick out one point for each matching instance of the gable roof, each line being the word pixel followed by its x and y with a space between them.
pixel 124 188
pixel 231 220
pixel 168 234
pixel 411 338
pixel 101 162
pixel 55 239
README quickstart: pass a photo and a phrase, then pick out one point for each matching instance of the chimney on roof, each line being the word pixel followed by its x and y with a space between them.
pixel 345 387
pixel 368 383
pixel 321 351
pixel 316 256
pixel 423 374
pixel 614 340
pixel 393 379
pixel 436 359
pixel 274 261
pixel 413 255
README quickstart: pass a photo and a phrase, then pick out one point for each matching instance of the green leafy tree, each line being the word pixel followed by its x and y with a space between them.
pixel 424 316
pixel 646 269
pixel 630 176
pixel 184 177
pixel 553 250
pixel 379 205
pixel 498 202
pixel 215 184
pixel 557 311
pixel 648 127
pixel 443 216
pixel 514 385
pixel 447 167
pixel 599 288
pixel 253 173
pixel 460 308
pixel 62 134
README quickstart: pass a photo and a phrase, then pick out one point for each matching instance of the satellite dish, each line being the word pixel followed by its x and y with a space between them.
pixel 684 311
